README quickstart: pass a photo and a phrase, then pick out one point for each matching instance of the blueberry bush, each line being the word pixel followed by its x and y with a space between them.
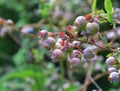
pixel 60 45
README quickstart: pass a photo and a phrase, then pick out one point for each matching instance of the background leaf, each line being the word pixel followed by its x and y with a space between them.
pixel 108 5
pixel 110 18
pixel 94 8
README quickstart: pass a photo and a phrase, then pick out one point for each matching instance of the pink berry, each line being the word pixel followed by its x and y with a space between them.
pixel 43 34
pixel 49 42
pixel 74 61
pixel 57 55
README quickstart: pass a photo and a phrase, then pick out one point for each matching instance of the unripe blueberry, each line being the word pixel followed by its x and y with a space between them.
pixel 88 53
pixel 111 69
pixel 57 55
pixel 49 42
pixel 27 30
pixel 76 43
pixel 75 53
pixel 43 34
pixel 93 28
pixel 114 76
pixel 74 61
pixel 110 61
pixel 80 22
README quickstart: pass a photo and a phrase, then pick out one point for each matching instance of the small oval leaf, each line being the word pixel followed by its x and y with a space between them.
pixel 94 6
pixel 108 5
pixel 109 16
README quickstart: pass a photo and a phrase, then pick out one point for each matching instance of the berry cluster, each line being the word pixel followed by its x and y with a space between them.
pixel 68 44
pixel 113 69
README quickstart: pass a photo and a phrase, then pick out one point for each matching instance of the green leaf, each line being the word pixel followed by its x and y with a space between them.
pixel 109 16
pixel 110 54
pixel 20 57
pixel 94 6
pixel 26 77
pixel 118 57
pixel 39 55
pixel 108 5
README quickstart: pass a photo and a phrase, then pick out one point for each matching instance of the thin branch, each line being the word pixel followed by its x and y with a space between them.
pixel 104 48
pixel 86 82
pixel 17 41
pixel 93 81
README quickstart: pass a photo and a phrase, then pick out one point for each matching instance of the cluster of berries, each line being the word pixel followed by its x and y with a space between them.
pixel 87 25
pixel 113 71
pixel 70 44
pixel 64 45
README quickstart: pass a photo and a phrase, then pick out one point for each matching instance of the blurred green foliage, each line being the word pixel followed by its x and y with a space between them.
pixel 24 78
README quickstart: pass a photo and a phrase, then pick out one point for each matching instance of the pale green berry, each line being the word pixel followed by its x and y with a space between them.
pixel 92 28
pixel 80 22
